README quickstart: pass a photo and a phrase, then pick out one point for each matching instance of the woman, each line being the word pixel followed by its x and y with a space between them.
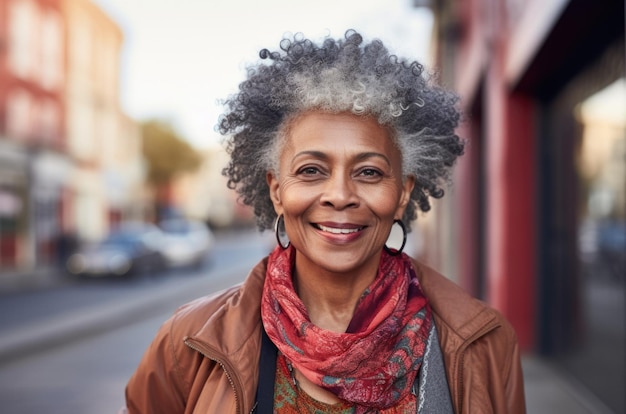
pixel 333 144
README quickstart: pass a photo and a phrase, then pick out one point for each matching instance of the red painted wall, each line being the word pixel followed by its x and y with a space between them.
pixel 501 136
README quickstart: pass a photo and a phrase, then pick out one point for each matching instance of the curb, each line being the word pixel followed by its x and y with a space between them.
pixel 61 329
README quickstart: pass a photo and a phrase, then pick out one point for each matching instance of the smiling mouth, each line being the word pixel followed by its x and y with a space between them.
pixel 335 230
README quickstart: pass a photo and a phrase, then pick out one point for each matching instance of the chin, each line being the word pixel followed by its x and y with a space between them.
pixel 343 260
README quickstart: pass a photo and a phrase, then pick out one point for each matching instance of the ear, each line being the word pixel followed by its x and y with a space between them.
pixel 405 196
pixel 274 186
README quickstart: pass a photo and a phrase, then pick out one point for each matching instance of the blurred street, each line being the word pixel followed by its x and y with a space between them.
pixel 71 348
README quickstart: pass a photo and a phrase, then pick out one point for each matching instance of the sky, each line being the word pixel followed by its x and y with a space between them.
pixel 180 57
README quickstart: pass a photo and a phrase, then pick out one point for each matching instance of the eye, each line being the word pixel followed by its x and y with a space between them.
pixel 309 170
pixel 370 172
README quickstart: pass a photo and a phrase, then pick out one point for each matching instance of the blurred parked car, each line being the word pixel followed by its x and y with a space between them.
pixel 187 242
pixel 133 248
pixel 612 247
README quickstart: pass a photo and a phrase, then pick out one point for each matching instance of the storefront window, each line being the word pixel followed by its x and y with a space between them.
pixel 598 359
pixel 582 228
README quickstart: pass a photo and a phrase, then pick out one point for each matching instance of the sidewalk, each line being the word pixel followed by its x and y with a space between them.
pixel 548 391
pixel 43 277
pixel 57 329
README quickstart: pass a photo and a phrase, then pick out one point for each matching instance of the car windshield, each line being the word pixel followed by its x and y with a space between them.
pixel 122 239
pixel 176 227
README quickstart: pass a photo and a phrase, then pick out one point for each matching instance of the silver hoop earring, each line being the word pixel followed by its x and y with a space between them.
pixel 281 234
pixel 395 252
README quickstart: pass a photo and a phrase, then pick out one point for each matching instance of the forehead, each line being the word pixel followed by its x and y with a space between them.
pixel 343 130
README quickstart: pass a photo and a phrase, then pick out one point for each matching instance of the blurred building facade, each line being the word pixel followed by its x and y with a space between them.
pixel 70 160
pixel 34 164
pixel 537 214
pixel 104 144
pixel 203 194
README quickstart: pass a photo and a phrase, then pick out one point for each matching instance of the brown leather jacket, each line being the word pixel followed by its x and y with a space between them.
pixel 205 358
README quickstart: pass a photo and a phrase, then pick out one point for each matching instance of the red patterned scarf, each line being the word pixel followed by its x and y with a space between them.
pixel 375 362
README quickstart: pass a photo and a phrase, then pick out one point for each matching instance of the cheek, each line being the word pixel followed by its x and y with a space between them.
pixel 295 199
pixel 384 200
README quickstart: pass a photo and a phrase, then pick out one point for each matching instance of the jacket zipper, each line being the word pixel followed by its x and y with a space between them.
pixel 222 363
pixel 484 331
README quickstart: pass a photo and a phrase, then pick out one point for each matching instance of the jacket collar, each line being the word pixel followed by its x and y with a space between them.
pixel 230 335
pixel 452 306
pixel 457 314
pixel 239 308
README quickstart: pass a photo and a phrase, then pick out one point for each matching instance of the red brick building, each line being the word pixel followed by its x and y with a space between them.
pixel 70 158
pixel 32 160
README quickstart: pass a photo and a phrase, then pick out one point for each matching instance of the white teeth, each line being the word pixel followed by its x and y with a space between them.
pixel 337 231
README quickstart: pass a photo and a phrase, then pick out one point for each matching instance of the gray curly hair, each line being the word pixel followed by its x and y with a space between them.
pixel 343 75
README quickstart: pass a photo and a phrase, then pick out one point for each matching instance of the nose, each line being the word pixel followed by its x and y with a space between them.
pixel 339 192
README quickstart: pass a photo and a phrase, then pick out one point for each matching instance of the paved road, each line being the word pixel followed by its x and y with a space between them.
pixel 85 376
pixel 71 349
pixel 37 319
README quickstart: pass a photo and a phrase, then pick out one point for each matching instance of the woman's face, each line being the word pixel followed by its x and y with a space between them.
pixel 340 188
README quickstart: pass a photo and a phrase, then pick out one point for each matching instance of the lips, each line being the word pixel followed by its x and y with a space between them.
pixel 339 230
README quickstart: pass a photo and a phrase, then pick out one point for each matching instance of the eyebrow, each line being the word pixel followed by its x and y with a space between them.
pixel 360 157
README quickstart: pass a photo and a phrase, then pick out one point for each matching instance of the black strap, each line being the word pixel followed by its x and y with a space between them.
pixel 267 376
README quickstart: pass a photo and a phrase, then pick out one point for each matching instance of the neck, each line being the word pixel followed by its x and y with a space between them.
pixel 331 298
